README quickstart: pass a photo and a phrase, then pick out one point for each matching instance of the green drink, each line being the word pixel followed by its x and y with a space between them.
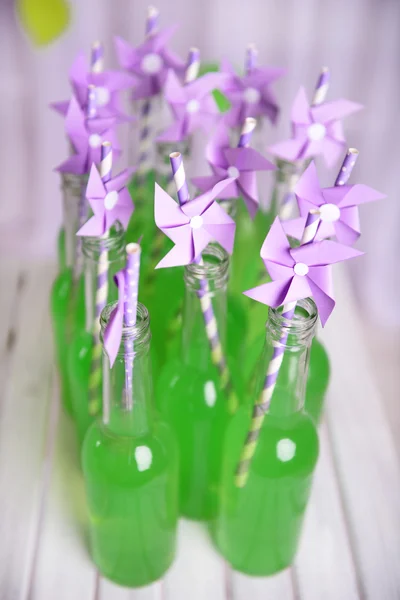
pixel 79 359
pixel 130 466
pixel 258 527
pixel 318 380
pixel 190 394
pixel 61 253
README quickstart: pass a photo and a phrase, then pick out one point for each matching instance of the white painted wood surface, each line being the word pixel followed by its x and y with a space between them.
pixel 350 547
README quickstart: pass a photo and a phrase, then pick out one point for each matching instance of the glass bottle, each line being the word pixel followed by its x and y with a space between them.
pixel 66 286
pixel 190 392
pixel 79 360
pixel 130 467
pixel 259 524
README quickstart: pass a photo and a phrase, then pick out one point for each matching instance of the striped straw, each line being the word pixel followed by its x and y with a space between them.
pixel 133 252
pixel 251 58
pixel 347 166
pixel 262 405
pixel 217 354
pixel 321 89
pixel 96 58
pixel 152 21
pixel 144 163
pixel 101 294
pixel 192 65
pixel 247 131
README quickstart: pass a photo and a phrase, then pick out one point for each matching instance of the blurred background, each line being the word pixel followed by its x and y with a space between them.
pixel 358 40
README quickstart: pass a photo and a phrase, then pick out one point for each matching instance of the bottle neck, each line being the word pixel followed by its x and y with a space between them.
pixel 204 308
pixel 107 251
pixel 286 177
pixel 73 188
pixel 290 339
pixel 128 385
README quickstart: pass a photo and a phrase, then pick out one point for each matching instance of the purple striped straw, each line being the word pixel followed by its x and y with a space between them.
pixel 144 162
pixel 96 58
pixel 347 166
pixel 152 21
pixel 321 89
pixel 132 270
pixel 101 294
pixel 192 65
pixel 210 321
pixel 249 126
pixel 251 58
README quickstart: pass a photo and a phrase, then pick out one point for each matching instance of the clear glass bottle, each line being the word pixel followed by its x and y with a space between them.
pixel 130 467
pixel 190 393
pixel 259 525
pixel 79 360
pixel 66 287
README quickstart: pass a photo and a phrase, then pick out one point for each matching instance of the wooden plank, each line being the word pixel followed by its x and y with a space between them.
pixel 22 431
pixel 276 587
pixel 324 566
pixel 110 591
pixel 364 452
pixel 198 572
pixel 12 282
pixel 63 566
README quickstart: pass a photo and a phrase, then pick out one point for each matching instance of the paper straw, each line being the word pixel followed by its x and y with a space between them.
pixel 347 166
pixel 217 354
pixel 251 58
pixel 192 65
pixel 262 405
pixel 96 58
pixel 101 294
pixel 247 131
pixel 144 163
pixel 322 86
pixel 152 21
pixel 133 252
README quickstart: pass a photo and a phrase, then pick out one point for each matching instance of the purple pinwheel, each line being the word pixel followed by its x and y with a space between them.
pixel 338 207
pixel 108 86
pixel 191 226
pixel 87 135
pixel 109 201
pixel 299 273
pixel 316 130
pixel 240 164
pixel 250 95
pixel 149 62
pixel 192 105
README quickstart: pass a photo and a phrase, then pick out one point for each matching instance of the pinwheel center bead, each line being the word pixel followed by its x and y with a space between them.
pixel 316 132
pixel 111 200
pixel 151 63
pixel 300 269
pixel 233 172
pixel 196 222
pixel 193 106
pixel 251 95
pixel 94 140
pixel 329 213
pixel 102 96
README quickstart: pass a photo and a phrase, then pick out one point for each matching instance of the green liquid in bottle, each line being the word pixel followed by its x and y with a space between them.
pixel 61 251
pixel 318 380
pixel 130 466
pixel 65 319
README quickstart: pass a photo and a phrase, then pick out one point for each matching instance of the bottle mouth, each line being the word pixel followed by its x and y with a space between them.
pixel 138 333
pixel 112 240
pixel 301 326
pixel 214 265
pixel 287 168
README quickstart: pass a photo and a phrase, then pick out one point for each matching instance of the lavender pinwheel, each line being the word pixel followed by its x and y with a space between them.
pixel 108 84
pixel 338 207
pixel 316 130
pixel 87 135
pixel 109 201
pixel 299 273
pixel 250 95
pixel 149 62
pixel 240 164
pixel 192 105
pixel 191 226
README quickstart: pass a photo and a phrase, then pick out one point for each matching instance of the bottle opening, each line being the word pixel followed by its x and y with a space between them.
pixel 214 265
pixel 300 328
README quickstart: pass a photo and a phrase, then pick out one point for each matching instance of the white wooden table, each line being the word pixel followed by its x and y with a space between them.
pixel 351 541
